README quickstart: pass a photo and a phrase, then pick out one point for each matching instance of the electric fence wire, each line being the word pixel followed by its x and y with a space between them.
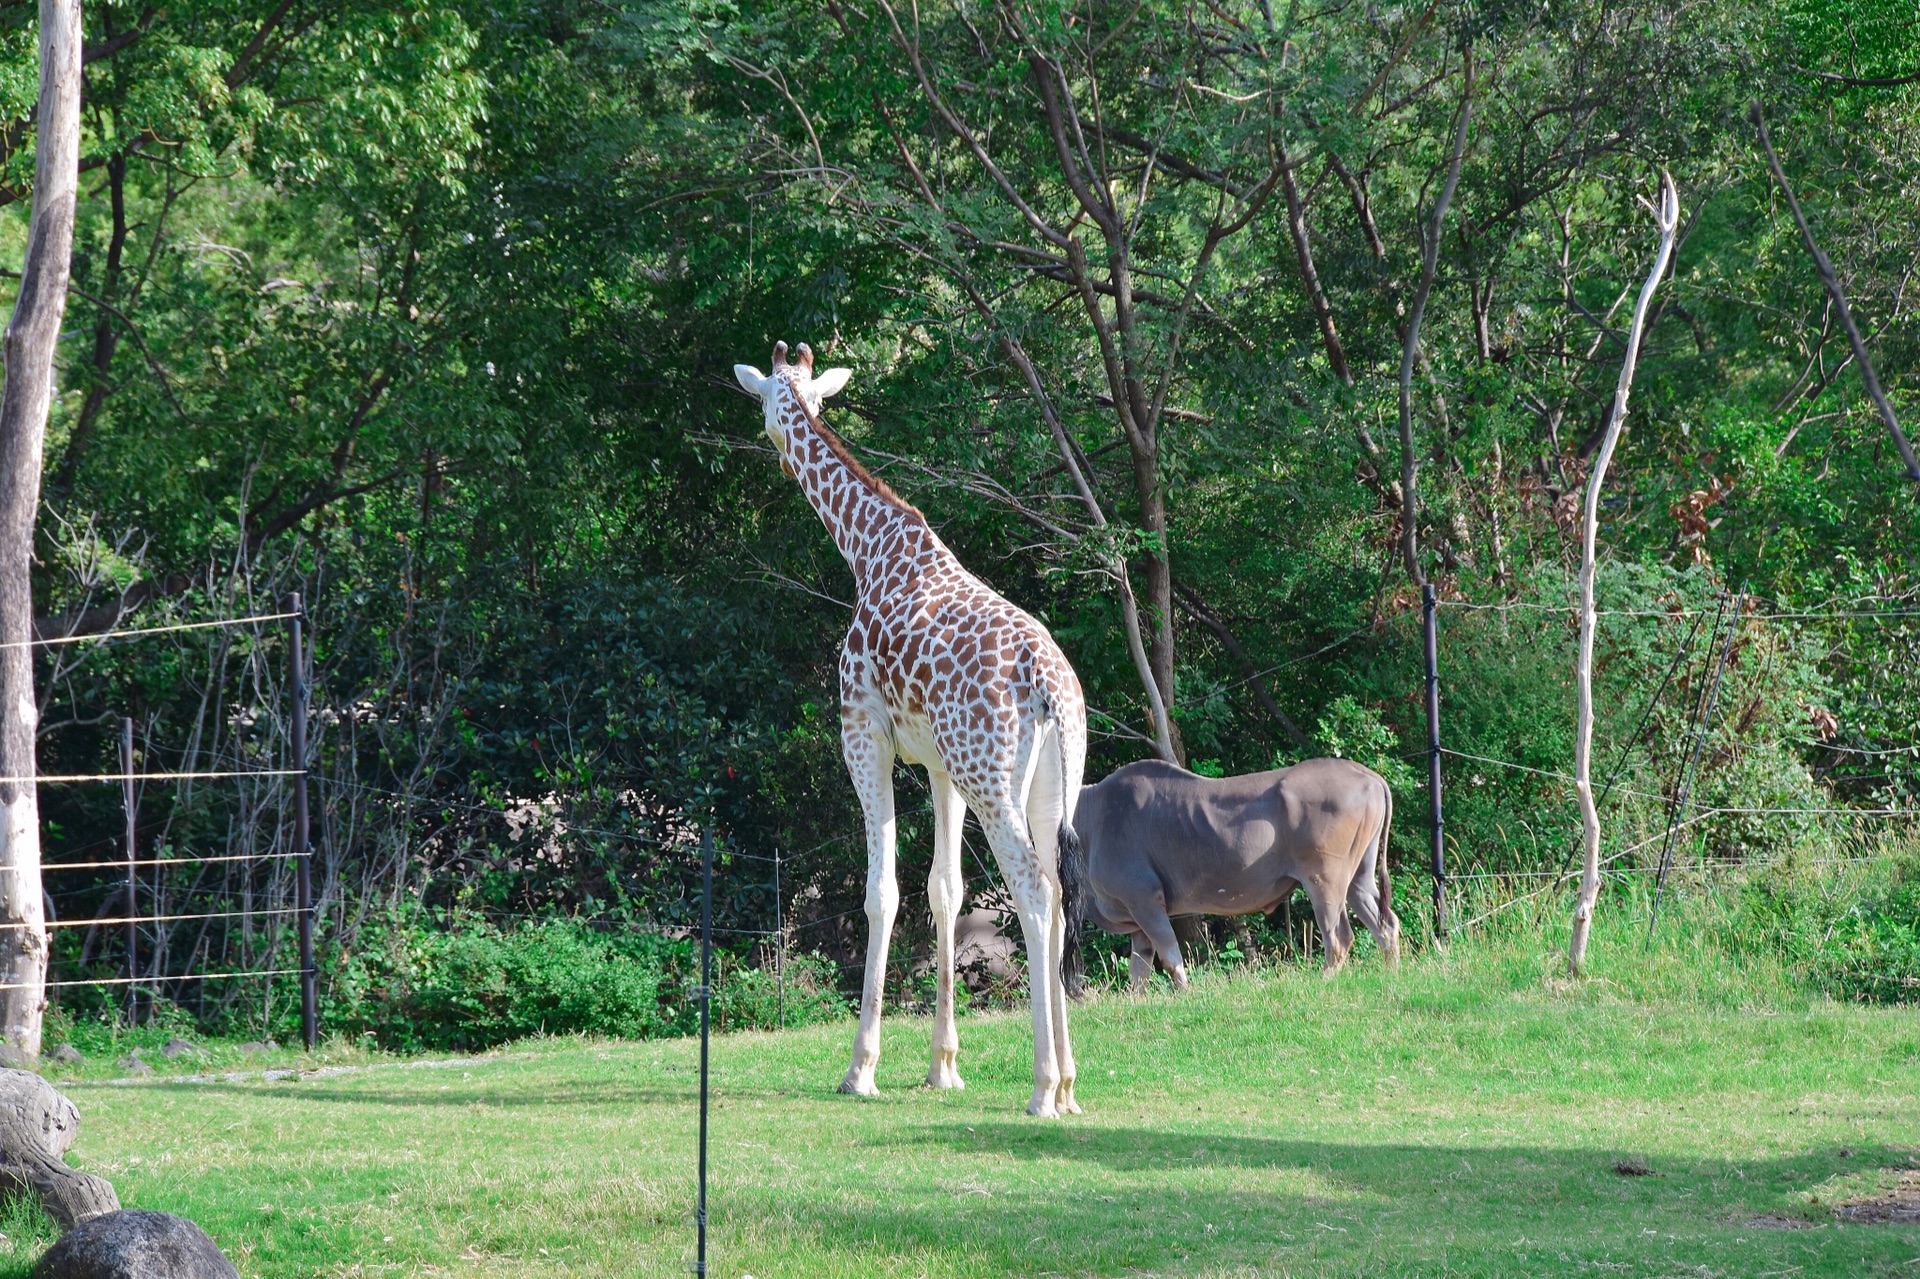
pixel 54 641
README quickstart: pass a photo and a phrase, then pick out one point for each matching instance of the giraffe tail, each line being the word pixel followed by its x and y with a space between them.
pixel 1073 903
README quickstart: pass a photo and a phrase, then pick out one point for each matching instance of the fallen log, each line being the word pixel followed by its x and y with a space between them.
pixel 37 1125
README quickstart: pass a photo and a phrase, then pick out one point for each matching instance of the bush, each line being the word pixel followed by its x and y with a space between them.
pixel 1853 928
pixel 747 997
pixel 414 984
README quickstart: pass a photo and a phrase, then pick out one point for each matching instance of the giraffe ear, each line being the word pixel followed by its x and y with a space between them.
pixel 751 379
pixel 832 382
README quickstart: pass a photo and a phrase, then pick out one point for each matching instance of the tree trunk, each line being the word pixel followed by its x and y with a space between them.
pixel 29 347
pixel 1410 344
pixel 1669 222
pixel 1114 564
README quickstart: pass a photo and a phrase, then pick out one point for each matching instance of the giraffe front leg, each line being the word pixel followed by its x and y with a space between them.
pixel 946 888
pixel 867 744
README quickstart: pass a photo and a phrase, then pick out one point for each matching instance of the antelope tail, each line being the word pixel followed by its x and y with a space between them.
pixel 1380 875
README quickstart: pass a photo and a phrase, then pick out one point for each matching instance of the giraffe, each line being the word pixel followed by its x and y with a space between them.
pixel 938 670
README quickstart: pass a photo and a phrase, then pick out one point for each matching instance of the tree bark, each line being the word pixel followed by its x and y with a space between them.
pixel 29 348
pixel 1410 346
pixel 1668 216
pixel 37 1124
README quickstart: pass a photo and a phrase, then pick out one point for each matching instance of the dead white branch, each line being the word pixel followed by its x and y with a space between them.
pixel 1668 218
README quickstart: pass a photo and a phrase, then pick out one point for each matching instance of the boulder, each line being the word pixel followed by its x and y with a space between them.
pixel 12 1058
pixel 177 1047
pixel 67 1055
pixel 253 1047
pixel 37 1124
pixel 134 1064
pixel 132 1244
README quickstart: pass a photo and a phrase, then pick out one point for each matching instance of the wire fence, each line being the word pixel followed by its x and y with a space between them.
pixel 289 794
pixel 174 898
pixel 1675 800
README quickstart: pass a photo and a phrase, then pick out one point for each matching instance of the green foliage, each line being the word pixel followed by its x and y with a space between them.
pixel 1852 928
pixel 1352 731
pixel 426 311
pixel 413 984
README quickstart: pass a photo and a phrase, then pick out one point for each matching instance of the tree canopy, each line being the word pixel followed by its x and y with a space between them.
pixel 427 310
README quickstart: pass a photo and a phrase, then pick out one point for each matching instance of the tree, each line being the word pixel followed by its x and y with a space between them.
pixel 29 346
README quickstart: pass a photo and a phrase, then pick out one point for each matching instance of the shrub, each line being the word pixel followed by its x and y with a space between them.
pixel 416 984
pixel 1853 928
pixel 747 997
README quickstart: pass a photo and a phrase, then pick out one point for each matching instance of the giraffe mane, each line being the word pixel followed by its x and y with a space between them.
pixel 838 447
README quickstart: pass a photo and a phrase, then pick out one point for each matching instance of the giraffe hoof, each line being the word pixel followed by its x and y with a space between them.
pixel 943 1073
pixel 859 1084
pixel 1045 1103
pixel 1068 1106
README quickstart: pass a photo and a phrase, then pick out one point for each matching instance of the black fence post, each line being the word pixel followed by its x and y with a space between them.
pixel 779 941
pixel 1436 821
pixel 302 845
pixel 133 898
pixel 704 993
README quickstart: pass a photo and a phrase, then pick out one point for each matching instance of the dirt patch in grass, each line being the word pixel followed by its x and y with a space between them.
pixel 1898 1205
pixel 1774 1221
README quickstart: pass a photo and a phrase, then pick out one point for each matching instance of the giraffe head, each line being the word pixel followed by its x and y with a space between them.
pixel 789 385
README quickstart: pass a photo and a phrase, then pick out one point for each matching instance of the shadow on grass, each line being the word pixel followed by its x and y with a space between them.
pixel 1108 1200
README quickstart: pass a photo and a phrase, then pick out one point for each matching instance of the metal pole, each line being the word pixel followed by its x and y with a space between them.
pixel 1436 821
pixel 302 846
pixel 704 993
pixel 780 942
pixel 133 882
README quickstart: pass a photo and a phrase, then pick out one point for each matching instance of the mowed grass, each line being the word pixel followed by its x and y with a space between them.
pixel 1464 1116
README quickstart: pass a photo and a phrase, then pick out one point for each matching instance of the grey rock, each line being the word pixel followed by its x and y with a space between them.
pixel 253 1047
pixel 67 1055
pixel 177 1047
pixel 134 1063
pixel 132 1244
pixel 13 1059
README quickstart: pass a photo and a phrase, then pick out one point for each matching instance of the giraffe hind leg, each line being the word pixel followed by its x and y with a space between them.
pixel 1046 812
pixel 1037 903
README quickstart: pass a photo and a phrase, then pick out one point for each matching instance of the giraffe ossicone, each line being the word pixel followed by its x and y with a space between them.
pixel 940 671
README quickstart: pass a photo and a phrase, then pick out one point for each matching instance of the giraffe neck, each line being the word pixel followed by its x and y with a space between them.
pixel 878 534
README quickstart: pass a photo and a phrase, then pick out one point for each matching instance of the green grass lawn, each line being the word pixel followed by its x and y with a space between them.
pixel 1462 1117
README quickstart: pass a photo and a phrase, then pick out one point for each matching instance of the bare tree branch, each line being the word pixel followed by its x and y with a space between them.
pixel 1834 291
